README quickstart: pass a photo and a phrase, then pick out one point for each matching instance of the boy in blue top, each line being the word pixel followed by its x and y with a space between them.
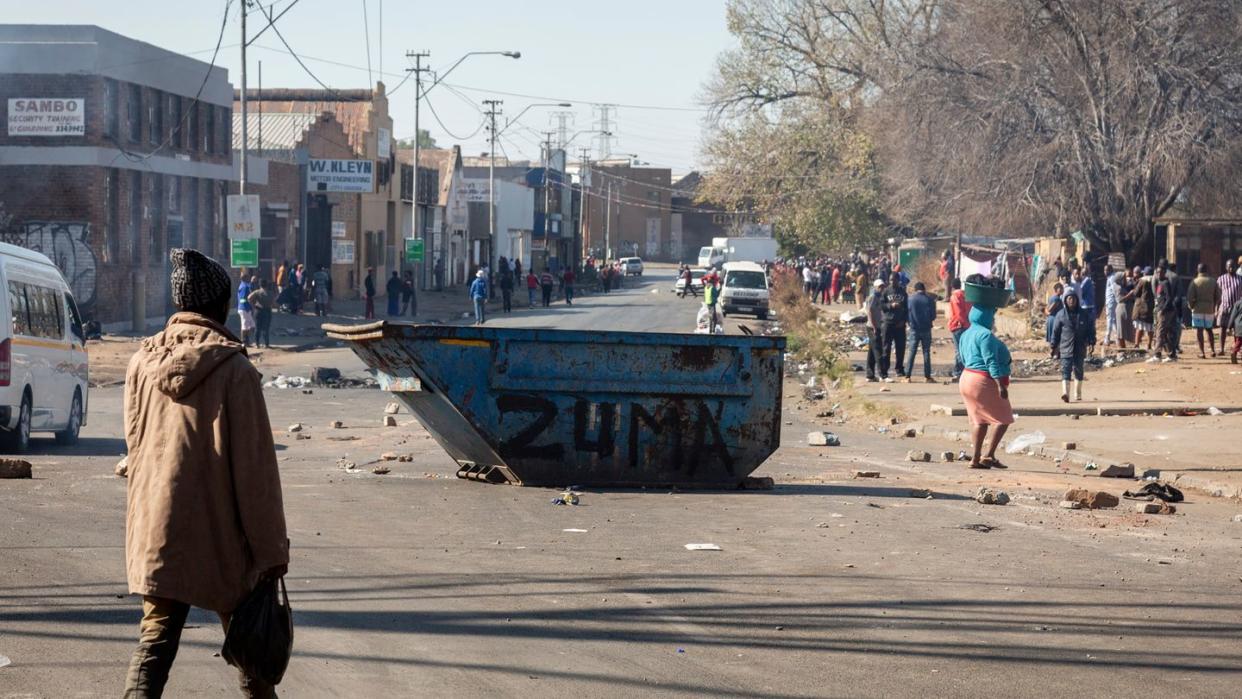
pixel 478 294
pixel 922 315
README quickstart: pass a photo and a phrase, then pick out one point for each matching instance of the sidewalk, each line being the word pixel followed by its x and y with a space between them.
pixel 1155 416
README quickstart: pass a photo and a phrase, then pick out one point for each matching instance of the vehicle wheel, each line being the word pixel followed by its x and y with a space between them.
pixel 69 436
pixel 17 441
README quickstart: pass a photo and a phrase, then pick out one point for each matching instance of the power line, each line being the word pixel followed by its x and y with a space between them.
pixel 298 58
pixel 446 129
pixel 366 32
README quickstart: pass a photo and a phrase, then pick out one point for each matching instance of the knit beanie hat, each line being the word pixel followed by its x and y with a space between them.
pixel 197 280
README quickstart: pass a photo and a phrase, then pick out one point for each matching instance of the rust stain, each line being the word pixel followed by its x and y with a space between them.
pixel 696 356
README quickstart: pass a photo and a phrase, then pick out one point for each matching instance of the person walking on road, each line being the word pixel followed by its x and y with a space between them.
pixel 244 310
pixel 393 290
pixel 1230 285
pixel 478 296
pixel 959 321
pixel 985 385
pixel 1203 298
pixel 896 311
pixel 1144 307
pixel 567 281
pixel 204 519
pixel 546 282
pixel 261 301
pixel 875 328
pixel 532 284
pixel 1073 333
pixel 506 289
pixel 368 286
pixel 319 288
pixel 409 294
pixel 711 293
pixel 1166 312
pixel 922 316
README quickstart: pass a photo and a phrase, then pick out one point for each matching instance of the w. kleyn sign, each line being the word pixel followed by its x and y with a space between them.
pixel 340 176
pixel 47 116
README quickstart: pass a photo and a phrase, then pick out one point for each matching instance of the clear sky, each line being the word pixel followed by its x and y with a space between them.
pixel 637 54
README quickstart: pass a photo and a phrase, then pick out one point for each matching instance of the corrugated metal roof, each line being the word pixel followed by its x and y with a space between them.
pixel 280 131
pixel 354 116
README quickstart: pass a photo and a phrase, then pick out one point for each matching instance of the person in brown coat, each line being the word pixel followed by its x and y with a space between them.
pixel 205 519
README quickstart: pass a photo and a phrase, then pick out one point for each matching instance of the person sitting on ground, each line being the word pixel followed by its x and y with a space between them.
pixel 984 386
pixel 1073 333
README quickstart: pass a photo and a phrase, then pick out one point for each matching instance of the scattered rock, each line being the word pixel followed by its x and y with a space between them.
pixel 1069 446
pixel 15 468
pixel 392 408
pixel 1118 471
pixel 911 433
pixel 321 376
pixel 295 427
pixel 892 421
pixel 301 435
pixel 1151 474
pixel 122 467
pixel 388 456
pixel 1154 508
pixel 390 421
pixel 1237 518
pixel 866 474
pixel 336 424
pixel 823 439
pixel 920 493
pixel 987 496
pixel 1092 499
pixel 948 457
pixel 1071 505
pixel 916 455
pixel 380 470
pixel 405 458
pixel 823 525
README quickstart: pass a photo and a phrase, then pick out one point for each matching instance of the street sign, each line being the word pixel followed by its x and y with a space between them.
pixel 243 216
pixel 413 250
pixel 244 253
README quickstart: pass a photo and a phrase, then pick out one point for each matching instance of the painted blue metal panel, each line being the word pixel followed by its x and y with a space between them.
pixel 560 407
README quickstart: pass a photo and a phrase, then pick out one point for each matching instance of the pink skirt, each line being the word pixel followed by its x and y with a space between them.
pixel 984 406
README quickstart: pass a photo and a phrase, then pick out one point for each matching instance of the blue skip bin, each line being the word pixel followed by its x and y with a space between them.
pixel 562 407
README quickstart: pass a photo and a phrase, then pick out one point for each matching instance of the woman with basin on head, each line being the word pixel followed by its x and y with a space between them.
pixel 984 385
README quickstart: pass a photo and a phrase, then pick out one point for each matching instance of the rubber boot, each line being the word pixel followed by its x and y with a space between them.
pixel 1065 392
pixel 1078 389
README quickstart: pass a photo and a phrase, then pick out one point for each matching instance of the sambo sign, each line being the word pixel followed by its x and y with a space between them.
pixel 47 116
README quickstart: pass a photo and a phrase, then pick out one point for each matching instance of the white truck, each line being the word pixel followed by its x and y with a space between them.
pixel 724 250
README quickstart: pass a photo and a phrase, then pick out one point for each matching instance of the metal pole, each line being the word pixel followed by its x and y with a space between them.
pixel 608 223
pixel 491 177
pixel 260 123
pixel 584 221
pixel 418 232
pixel 245 130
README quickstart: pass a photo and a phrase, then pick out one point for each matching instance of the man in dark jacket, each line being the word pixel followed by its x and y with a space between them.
pixel 875 328
pixel 1073 332
pixel 922 312
pixel 368 286
pixel 894 311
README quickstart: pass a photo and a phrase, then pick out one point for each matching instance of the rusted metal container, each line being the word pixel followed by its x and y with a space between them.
pixel 561 407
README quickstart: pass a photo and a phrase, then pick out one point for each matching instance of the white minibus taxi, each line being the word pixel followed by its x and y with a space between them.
pixel 43 363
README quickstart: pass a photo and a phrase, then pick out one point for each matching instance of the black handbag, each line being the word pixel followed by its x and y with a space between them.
pixel 259 640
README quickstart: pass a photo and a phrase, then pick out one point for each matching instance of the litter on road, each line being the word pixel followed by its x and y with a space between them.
pixel 702 547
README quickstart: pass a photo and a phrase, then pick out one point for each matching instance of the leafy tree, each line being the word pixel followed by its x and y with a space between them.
pixel 424 140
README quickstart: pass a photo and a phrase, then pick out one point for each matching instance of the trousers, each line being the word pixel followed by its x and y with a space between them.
pixel 894 339
pixel 914 339
pixel 159 636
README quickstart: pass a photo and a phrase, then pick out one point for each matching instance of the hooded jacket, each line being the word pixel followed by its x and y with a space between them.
pixel 983 351
pixel 1073 330
pixel 205 515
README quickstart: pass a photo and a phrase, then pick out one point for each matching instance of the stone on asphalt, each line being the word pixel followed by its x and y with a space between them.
pixel 388 456
pixel 336 424
pixel 988 496
pixel 1071 505
pixel 911 433
pixel 390 421
pixel 380 470
pixel 920 493
pixel 15 468
pixel 295 427
pixel 1237 518
pixel 866 474
pixel 1069 446
pixel 916 455
pixel 392 408
pixel 321 375
pixel 1092 499
pixel 301 435
pixel 1154 508
pixel 948 457
pixel 1118 471
pixel 122 467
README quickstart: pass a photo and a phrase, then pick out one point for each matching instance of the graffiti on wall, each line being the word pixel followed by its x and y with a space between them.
pixel 67 244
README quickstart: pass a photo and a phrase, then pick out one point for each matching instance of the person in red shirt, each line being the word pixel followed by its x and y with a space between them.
pixel 532 283
pixel 959 320
pixel 567 280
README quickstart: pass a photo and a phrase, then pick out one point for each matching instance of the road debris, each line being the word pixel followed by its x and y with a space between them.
pixel 1023 442
pixel 1071 505
pixel 1118 471
pixel 122 467
pixel 336 425
pixel 295 427
pixel 1069 446
pixel 1092 499
pixel 866 474
pixel 916 455
pixel 910 433
pixel 703 547
pixel 390 421
pixel 823 439
pixel 920 493
pixel 981 528
pixel 988 496
pixel 15 468
pixel 380 470
pixel 948 457
pixel 1154 508
pixel 1156 491
pixel 392 408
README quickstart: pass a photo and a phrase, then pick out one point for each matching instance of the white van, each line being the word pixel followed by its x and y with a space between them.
pixel 43 362
pixel 745 289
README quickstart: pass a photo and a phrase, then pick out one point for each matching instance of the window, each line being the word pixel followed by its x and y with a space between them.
pixel 210 134
pixel 110 106
pixel 75 319
pixel 135 216
pixel 174 195
pixel 155 117
pixel 156 250
pixel 208 237
pixel 191 229
pixel 134 111
pixel 191 126
pixel 38 311
pixel 111 230
pixel 175 114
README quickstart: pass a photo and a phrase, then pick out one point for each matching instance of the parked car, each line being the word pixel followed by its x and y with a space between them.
pixel 632 266
pixel 43 363
pixel 745 290
pixel 696 283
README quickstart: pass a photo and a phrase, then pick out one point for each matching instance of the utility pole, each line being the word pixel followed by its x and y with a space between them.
pixel 547 196
pixel 245 130
pixel 493 109
pixel 608 223
pixel 584 221
pixel 418 232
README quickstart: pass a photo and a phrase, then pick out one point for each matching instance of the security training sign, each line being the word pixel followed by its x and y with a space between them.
pixel 354 176
pixel 42 116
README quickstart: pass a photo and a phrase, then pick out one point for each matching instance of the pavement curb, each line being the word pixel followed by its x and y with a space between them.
pixel 1197 483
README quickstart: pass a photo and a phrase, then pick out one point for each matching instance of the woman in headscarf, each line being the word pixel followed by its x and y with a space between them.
pixel 985 384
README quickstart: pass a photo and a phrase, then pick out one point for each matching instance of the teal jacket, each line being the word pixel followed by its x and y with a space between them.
pixel 980 349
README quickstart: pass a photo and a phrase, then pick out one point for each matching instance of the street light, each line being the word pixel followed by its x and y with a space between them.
pixel 514 120
pixel 419 93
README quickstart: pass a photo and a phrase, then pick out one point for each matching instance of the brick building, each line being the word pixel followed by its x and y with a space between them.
pixel 628 210
pixel 371 237
pixel 115 150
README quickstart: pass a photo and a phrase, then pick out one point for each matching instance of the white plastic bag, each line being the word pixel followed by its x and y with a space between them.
pixel 1023 442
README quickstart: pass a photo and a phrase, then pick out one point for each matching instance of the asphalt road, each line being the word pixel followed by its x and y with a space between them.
pixel 419 584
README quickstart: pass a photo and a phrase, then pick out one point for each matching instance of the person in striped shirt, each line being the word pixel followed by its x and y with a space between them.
pixel 1230 285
